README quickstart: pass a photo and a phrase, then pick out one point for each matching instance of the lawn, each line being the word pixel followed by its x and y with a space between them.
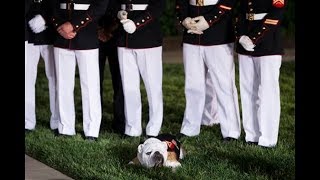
pixel 208 157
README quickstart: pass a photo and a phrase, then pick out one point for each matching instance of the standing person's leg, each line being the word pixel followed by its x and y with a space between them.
pixel 31 67
pixel 150 66
pixel 131 90
pixel 269 99
pixel 102 63
pixel 220 61
pixel 48 57
pixel 65 62
pixel 249 84
pixel 118 122
pixel 194 89
pixel 88 63
pixel 210 113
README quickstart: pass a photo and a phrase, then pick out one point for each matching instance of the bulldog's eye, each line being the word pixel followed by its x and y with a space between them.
pixel 148 153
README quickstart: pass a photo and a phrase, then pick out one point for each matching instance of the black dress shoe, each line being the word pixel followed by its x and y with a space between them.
pixel 90 138
pixel 252 143
pixel 229 139
pixel 55 132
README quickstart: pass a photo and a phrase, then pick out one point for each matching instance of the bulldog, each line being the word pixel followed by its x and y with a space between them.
pixel 163 150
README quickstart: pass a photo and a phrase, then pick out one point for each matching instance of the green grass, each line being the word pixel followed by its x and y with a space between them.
pixel 207 158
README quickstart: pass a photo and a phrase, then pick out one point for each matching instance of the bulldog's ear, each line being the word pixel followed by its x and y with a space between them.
pixel 140 148
pixel 165 145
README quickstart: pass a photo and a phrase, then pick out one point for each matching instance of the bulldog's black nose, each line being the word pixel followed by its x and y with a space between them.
pixel 158 159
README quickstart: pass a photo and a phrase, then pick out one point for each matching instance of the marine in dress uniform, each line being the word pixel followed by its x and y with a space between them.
pixel 260 49
pixel 41 35
pixel 108 33
pixel 76 21
pixel 140 53
pixel 208 41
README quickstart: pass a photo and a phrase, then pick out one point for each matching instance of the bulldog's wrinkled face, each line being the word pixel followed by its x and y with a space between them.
pixel 152 153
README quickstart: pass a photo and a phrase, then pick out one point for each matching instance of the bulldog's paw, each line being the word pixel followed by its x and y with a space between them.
pixel 172 164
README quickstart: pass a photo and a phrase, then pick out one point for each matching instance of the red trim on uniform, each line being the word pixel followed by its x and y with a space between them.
pixel 85 24
pixel 145 22
pixel 218 17
pixel 262 34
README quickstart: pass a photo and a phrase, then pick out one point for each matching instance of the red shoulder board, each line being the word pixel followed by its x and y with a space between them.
pixel 278 3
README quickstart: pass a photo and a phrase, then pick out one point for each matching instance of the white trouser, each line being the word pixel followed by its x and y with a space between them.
pixel 210 113
pixel 88 64
pixel 33 56
pixel 260 98
pixel 148 63
pixel 219 60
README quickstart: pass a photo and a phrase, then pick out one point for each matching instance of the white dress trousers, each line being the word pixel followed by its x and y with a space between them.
pixel 260 98
pixel 88 64
pixel 220 62
pixel 33 54
pixel 148 64
pixel 210 113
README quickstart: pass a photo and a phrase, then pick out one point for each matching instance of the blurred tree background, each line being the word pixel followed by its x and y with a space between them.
pixel 171 28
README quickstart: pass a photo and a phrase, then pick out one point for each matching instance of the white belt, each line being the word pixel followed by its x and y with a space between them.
pixel 252 17
pixel 205 2
pixel 134 7
pixel 75 6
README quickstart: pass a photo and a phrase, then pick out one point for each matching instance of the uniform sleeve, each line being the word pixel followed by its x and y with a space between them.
pixel 240 20
pixel 223 8
pixel 47 10
pixel 154 11
pixel 270 22
pixel 27 6
pixel 96 10
pixel 56 19
pixel 182 9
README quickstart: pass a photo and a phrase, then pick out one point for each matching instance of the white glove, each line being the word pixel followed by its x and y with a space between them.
pixel 246 43
pixel 37 24
pixel 122 14
pixel 188 23
pixel 128 25
pixel 201 23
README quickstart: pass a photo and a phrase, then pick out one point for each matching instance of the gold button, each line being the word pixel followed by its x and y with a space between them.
pixel 53 19
pixel 77 26
pixel 87 19
pixel 56 24
pixel 259 33
pixel 138 24
pixel 250 3
pixel 251 9
pixel 142 20
pixel 254 38
pixel 148 17
pixel 264 28
pixel 82 22
pixel 215 16
pixel 220 12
